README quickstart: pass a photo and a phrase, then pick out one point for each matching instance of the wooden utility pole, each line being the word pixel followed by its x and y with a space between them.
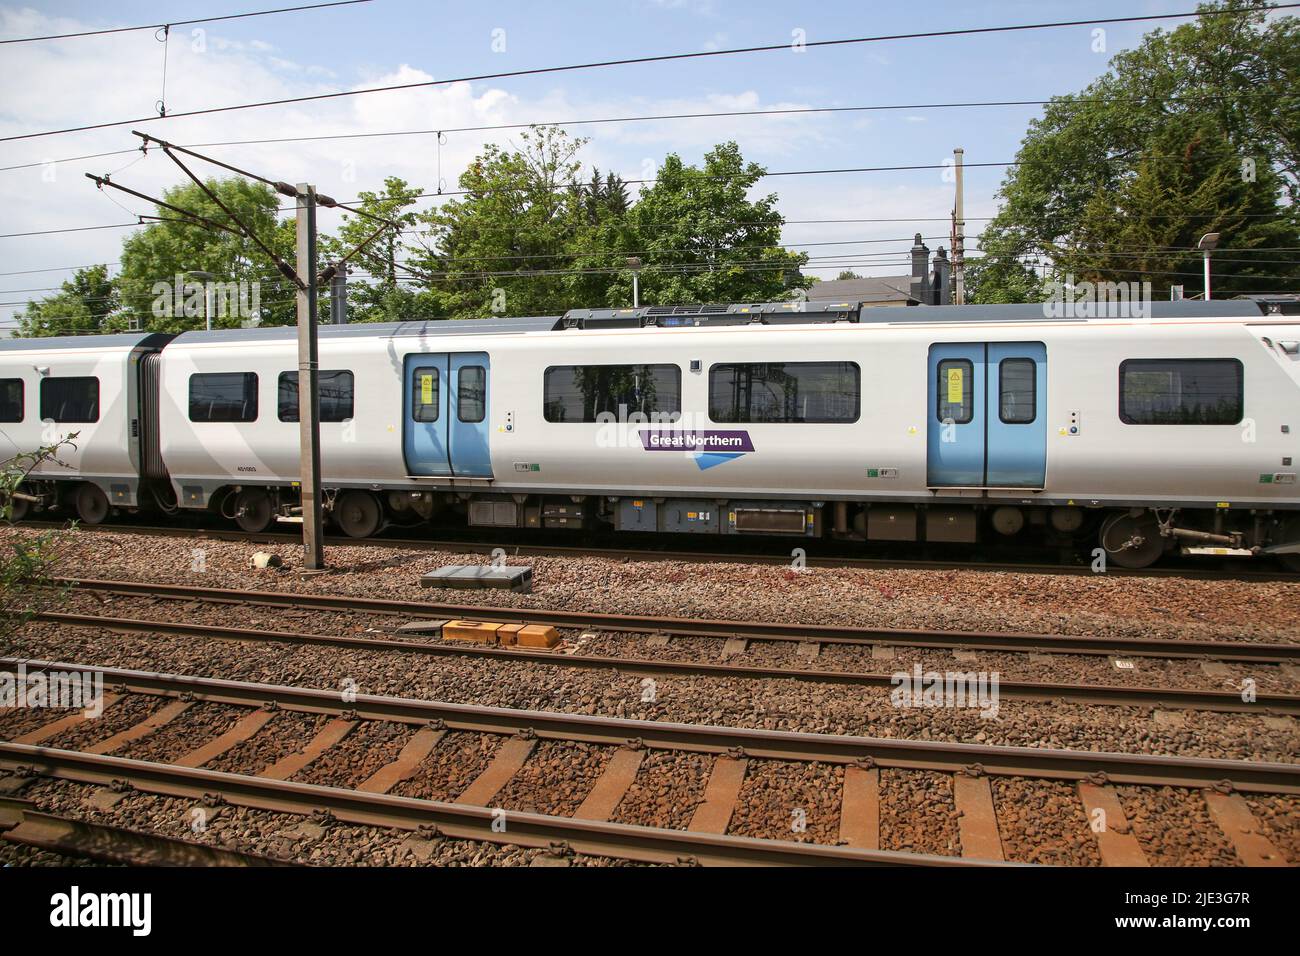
pixel 958 238
pixel 309 383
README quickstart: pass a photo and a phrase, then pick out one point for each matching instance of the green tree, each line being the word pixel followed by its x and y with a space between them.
pixel 600 199
pixel 504 247
pixel 377 292
pixel 83 306
pixel 1187 183
pixel 1231 78
pixel 535 236
pixel 26 565
pixel 162 251
pixel 1000 279
pixel 702 239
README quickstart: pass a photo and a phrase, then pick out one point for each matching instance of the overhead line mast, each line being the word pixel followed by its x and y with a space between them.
pixel 306 280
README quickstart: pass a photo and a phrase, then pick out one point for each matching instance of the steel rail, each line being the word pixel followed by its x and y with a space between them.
pixel 22 823
pixel 622 841
pixel 999 760
pixel 1106 694
pixel 699 557
pixel 1257 652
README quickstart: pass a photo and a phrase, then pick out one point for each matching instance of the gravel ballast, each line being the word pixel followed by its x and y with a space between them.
pixel 1040 821
pixel 970 600
pixel 740 702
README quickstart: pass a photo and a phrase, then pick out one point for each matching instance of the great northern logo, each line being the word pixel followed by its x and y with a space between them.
pixel 709 448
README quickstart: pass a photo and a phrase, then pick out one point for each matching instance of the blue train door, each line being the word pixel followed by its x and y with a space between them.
pixel 445 415
pixel 1016 456
pixel 955 425
pixel 987 425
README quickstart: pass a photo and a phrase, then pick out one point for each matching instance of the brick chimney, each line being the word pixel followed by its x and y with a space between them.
pixel 920 271
pixel 941 290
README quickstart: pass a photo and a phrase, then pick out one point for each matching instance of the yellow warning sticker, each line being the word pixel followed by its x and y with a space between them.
pixel 426 389
pixel 954 386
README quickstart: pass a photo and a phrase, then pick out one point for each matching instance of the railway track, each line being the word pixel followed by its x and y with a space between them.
pixel 22 823
pixel 733 752
pixel 1222 572
pixel 1167 697
pixel 1248 651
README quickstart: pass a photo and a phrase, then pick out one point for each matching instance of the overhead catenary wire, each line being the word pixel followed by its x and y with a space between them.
pixel 349 204
pixel 660 58
pixel 182 23
pixel 811 263
pixel 700 176
pixel 688 268
pixel 666 225
pixel 661 117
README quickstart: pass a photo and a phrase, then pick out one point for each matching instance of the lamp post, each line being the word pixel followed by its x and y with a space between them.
pixel 1207 245
pixel 207 294
pixel 634 263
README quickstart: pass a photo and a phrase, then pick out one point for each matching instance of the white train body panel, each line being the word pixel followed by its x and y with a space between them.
pixel 1074 449
pixel 104 449
pixel 365 451
pixel 1106 460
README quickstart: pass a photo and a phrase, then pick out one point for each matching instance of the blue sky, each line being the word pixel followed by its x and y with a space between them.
pixel 76 81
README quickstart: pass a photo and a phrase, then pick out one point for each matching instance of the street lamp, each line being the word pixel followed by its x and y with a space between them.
pixel 634 263
pixel 1207 245
pixel 207 294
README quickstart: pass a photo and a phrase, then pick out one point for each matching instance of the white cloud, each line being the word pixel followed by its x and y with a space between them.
pixel 75 82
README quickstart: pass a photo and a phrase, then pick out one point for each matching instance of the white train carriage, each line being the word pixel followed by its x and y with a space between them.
pixel 946 424
pixel 94 390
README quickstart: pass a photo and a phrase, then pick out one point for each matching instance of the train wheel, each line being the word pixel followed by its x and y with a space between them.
pixel 92 504
pixel 358 514
pixel 253 512
pixel 1132 541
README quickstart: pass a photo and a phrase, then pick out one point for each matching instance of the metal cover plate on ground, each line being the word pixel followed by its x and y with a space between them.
pixel 469 576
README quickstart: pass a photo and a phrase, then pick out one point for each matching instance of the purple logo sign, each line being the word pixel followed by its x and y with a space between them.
pixel 732 442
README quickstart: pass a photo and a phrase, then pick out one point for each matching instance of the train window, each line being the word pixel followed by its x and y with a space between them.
pixel 1180 392
pixel 956 386
pixel 589 393
pixel 424 394
pixel 334 388
pixel 471 394
pixel 11 399
pixel 810 392
pixel 74 400
pixel 223 397
pixel 1017 398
